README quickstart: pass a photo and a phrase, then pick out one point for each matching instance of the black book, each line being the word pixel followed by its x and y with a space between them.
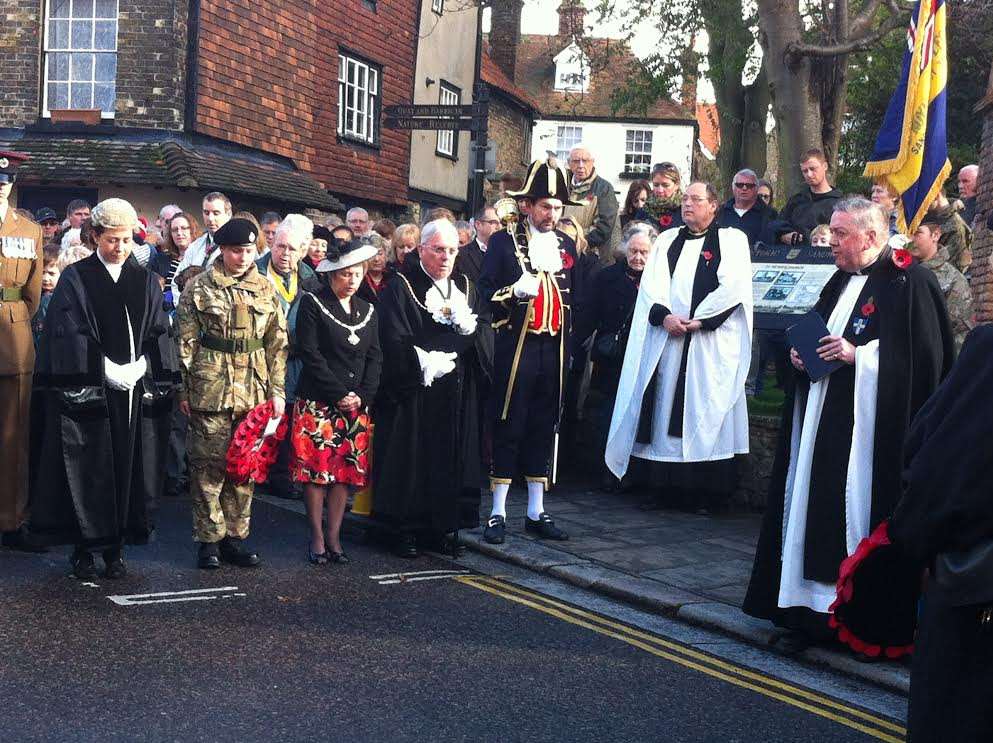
pixel 805 336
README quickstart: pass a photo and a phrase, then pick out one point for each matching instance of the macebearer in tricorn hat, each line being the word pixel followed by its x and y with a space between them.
pixel 527 275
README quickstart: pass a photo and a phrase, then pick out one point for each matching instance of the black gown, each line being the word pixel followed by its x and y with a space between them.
pixel 99 455
pixel 426 458
pixel 916 352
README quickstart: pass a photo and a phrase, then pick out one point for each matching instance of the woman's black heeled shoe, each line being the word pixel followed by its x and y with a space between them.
pixel 317 558
pixel 338 558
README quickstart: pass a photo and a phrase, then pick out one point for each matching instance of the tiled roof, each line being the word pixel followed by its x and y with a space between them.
pixel 496 78
pixel 612 61
pixel 167 162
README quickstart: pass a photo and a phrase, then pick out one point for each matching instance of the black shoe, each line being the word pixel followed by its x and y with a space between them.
pixel 113 560
pixel 208 556
pixel 792 642
pixel 496 528
pixel 406 547
pixel 233 551
pixel 338 558
pixel 83 566
pixel 18 540
pixel 544 528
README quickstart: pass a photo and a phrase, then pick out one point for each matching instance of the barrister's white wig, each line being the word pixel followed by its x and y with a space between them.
pixel 114 213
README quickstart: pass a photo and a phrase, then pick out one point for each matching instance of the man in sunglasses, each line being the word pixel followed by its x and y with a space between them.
pixel 746 211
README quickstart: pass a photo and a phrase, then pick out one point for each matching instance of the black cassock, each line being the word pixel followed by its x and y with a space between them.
pixel 98 454
pixel 426 459
pixel 915 353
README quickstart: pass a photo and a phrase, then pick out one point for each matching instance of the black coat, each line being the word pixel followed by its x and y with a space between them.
pixel 470 261
pixel 916 352
pixel 805 210
pixel 502 267
pixel 757 222
pixel 607 306
pixel 426 443
pixel 333 367
pixel 98 459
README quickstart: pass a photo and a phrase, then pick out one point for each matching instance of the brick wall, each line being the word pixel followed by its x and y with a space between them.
pixel 151 64
pixel 287 102
pixel 981 273
pixel 20 45
pixel 507 132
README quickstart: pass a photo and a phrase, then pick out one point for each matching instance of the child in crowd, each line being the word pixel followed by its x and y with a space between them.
pixel 49 278
pixel 820 237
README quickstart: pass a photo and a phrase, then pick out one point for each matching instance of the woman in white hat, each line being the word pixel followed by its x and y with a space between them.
pixel 338 343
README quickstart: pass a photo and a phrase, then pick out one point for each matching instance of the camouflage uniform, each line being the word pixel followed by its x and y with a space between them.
pixel 232 350
pixel 958 296
pixel 956 236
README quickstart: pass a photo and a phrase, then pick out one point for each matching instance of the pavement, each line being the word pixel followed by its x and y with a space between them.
pixel 382 649
pixel 692 567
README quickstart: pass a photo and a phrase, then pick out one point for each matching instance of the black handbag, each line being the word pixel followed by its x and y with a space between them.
pixel 608 348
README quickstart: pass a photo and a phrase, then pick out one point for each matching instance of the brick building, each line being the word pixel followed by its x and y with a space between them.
pixel 276 103
pixel 981 273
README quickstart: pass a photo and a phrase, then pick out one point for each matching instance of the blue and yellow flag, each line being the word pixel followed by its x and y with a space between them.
pixel 911 150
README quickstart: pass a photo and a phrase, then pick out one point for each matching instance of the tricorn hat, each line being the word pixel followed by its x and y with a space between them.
pixel 9 163
pixel 545 181
pixel 345 253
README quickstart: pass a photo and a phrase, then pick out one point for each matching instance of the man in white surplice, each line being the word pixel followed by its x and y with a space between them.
pixel 838 470
pixel 680 399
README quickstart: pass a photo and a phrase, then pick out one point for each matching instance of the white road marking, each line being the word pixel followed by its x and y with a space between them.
pixel 419 572
pixel 421 577
pixel 89 585
pixel 169 597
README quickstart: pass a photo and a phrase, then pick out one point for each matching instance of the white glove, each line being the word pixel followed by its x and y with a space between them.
pixel 526 286
pixel 118 376
pixel 434 364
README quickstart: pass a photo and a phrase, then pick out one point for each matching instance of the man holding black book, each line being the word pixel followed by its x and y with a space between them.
pixel 837 472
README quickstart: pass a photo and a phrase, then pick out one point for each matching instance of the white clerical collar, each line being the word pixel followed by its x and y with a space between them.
pixel 114 269
pixel 4 210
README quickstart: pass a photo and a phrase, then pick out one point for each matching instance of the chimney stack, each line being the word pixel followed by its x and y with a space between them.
pixel 572 16
pixel 505 34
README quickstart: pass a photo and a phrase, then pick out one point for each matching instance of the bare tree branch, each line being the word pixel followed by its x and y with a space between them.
pixel 863 42
pixel 864 19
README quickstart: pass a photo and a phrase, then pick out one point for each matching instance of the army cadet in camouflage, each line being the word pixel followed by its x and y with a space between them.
pixel 232 349
pixel 928 249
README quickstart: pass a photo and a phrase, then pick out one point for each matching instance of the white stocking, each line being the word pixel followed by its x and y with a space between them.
pixel 500 490
pixel 536 499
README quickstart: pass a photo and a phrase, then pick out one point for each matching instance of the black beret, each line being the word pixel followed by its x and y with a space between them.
pixel 237 232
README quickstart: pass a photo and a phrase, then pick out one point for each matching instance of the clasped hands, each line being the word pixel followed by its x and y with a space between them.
pixel 677 326
pixel 349 403
pixel 124 377
pixel 830 348
pixel 435 364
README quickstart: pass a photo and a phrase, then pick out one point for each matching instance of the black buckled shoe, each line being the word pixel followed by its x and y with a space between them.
pixel 83 566
pixel 406 546
pixel 208 556
pixel 114 567
pixel 544 528
pixel 496 529
pixel 233 551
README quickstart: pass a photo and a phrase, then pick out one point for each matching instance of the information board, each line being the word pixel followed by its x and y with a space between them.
pixel 787 282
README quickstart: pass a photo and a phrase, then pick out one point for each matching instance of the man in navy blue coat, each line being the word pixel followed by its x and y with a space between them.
pixel 527 276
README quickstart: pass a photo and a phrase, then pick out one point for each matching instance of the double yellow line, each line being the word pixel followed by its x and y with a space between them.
pixel 809 701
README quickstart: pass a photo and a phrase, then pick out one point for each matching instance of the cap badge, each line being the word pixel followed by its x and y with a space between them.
pixel 251 237
pixel 4 162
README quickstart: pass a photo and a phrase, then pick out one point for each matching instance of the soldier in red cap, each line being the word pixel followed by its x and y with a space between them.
pixel 20 292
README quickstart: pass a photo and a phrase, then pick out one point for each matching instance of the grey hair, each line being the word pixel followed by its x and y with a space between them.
pixel 356 210
pixel 866 215
pixel 441 227
pixel 464 227
pixel 581 147
pixel 635 229
pixel 299 230
pixel 174 208
pixel 747 171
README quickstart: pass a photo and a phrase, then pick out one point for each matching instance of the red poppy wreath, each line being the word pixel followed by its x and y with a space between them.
pixel 250 454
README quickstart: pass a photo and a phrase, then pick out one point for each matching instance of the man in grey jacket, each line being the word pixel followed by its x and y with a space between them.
pixel 598 211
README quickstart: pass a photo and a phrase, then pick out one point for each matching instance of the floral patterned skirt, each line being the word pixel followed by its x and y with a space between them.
pixel 329 446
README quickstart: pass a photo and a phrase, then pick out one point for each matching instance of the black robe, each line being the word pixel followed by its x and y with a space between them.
pixel 426 458
pixel 98 460
pixel 915 353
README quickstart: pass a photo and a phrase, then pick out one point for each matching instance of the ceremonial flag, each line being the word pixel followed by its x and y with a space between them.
pixel 911 150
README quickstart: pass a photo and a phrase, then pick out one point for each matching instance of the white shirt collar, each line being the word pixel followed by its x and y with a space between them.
pixel 114 269
pixel 4 211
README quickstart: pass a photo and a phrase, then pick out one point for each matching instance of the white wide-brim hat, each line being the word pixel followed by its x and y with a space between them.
pixel 344 254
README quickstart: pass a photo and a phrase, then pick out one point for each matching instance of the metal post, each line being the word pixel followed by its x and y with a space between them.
pixel 480 97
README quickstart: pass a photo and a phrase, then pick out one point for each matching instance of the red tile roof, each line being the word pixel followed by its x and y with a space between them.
pixel 611 60
pixel 496 78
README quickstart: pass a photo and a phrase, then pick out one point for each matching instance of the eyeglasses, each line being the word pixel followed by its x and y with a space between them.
pixel 580 160
pixel 745 186
pixel 765 197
